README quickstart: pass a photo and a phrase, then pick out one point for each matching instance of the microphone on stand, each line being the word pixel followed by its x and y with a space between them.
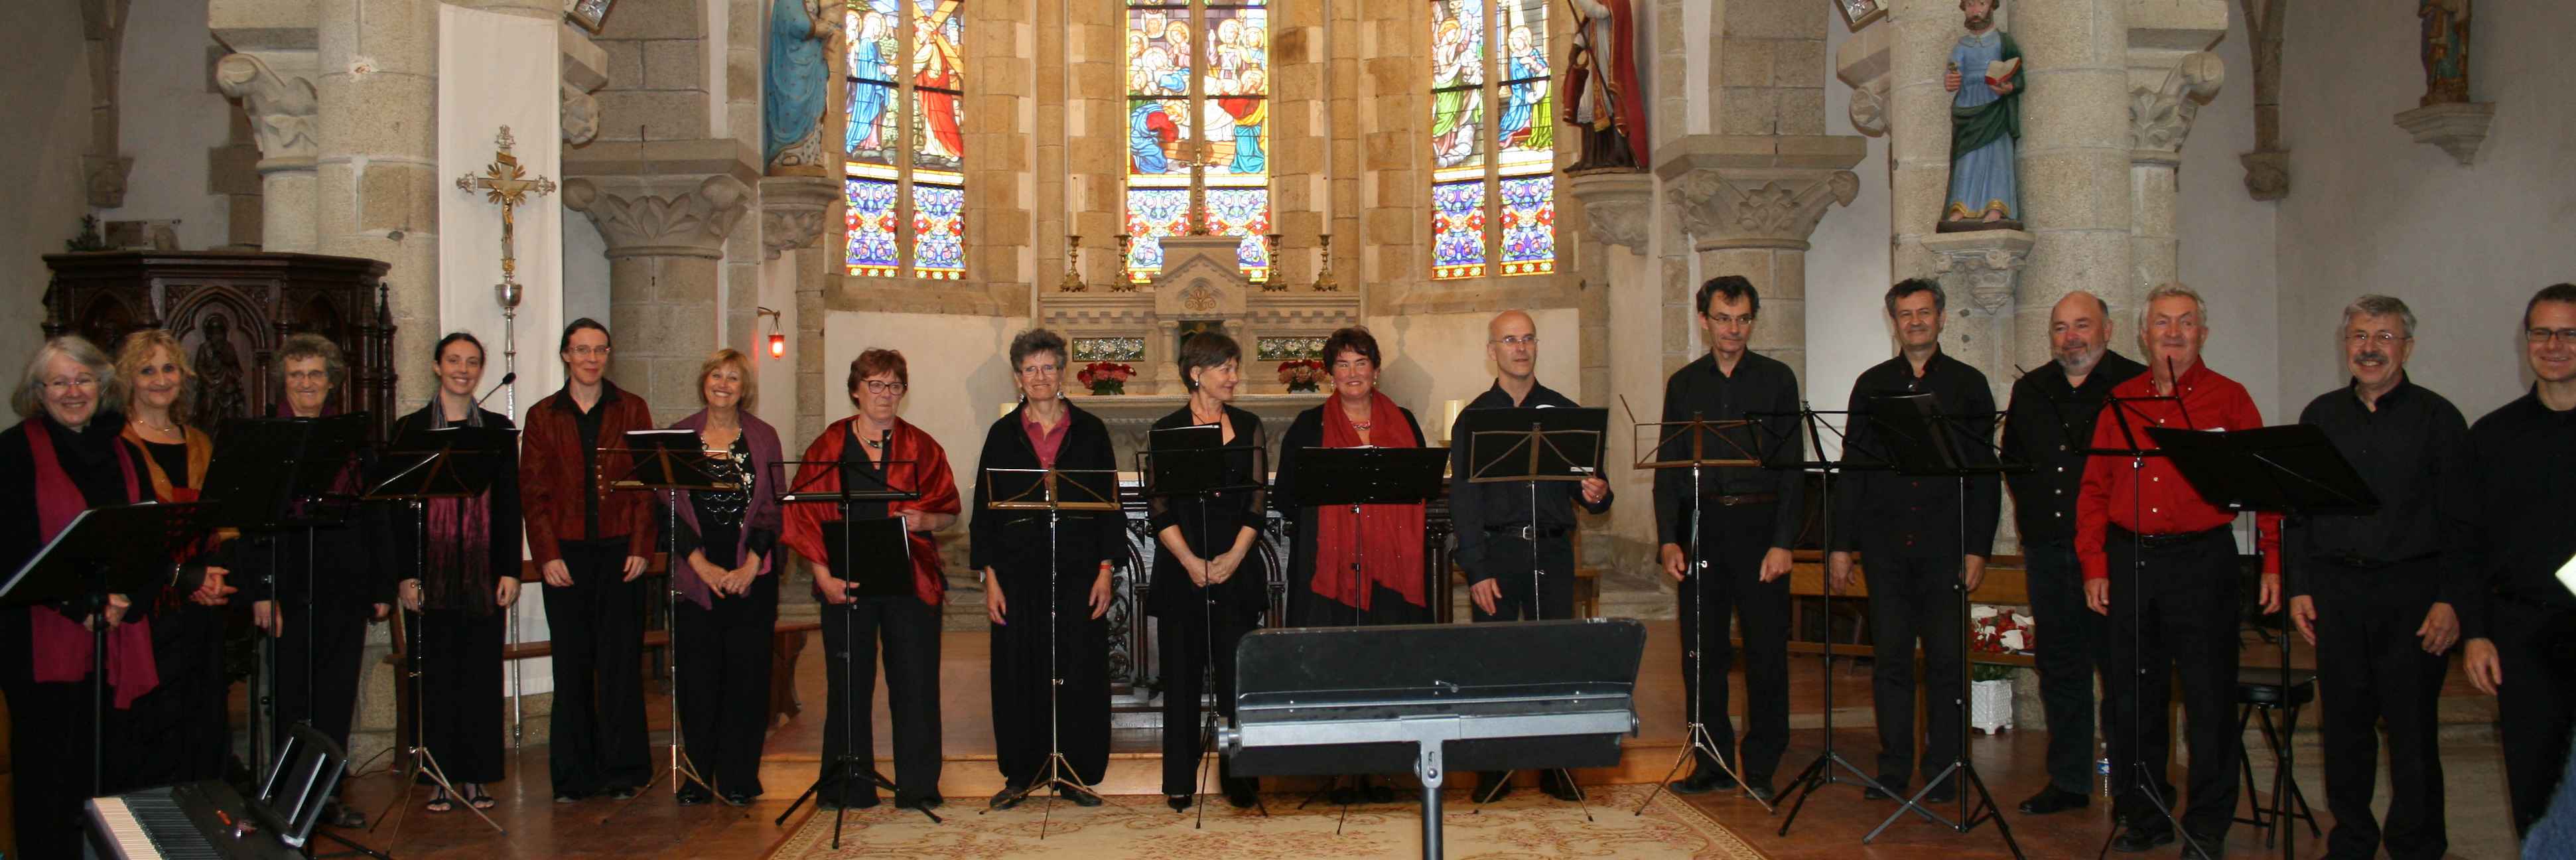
pixel 506 379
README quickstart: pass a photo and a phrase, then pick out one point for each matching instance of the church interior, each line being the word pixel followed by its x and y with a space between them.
pixel 802 180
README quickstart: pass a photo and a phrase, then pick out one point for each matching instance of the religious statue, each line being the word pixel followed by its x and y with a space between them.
pixel 1601 86
pixel 799 83
pixel 219 374
pixel 2446 50
pixel 1985 121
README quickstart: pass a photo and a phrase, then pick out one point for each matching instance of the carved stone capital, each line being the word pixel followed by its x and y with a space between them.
pixel 1980 266
pixel 1756 207
pixel 284 115
pixel 104 177
pixel 1863 61
pixel 580 115
pixel 2457 127
pixel 2160 116
pixel 2267 174
pixel 793 211
pixel 1617 204
pixel 692 223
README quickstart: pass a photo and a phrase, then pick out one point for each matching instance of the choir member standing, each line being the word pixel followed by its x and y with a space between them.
pixel 181 728
pixel 728 612
pixel 462 582
pixel 591 544
pixel 1025 562
pixel 1208 579
pixel 878 449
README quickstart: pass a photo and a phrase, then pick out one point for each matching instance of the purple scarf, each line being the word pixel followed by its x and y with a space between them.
pixel 61 645
pixel 761 512
pixel 460 544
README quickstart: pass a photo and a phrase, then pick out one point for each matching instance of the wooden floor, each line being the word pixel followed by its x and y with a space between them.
pixel 652 826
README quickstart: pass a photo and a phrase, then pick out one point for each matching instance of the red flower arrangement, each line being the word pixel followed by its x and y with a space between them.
pixel 1301 374
pixel 1105 377
pixel 1999 630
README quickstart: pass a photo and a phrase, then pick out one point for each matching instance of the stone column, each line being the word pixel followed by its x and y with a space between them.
pixel 1750 214
pixel 2162 108
pixel 376 170
pixel 2074 156
pixel 285 117
pixel 666 238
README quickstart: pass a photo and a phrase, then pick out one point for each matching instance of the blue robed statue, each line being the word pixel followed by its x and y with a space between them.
pixel 1985 123
pixel 799 81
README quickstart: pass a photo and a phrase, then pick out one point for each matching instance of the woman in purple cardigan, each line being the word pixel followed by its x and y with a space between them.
pixel 729 603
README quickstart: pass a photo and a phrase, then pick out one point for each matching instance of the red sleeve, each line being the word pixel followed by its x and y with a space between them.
pixel 536 491
pixel 2267 526
pixel 803 523
pixel 2093 501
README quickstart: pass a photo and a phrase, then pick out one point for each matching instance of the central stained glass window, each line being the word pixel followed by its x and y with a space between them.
pixel 1493 183
pixel 905 178
pixel 1198 121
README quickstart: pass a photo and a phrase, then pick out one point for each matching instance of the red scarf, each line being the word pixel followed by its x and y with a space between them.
pixel 62 646
pixel 1388 538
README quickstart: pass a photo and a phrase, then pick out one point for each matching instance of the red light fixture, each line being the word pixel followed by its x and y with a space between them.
pixel 777 339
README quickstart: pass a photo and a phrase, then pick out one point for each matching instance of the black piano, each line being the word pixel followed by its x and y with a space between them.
pixel 209 820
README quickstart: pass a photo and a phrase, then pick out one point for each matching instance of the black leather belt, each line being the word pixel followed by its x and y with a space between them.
pixel 2158 541
pixel 2358 563
pixel 2535 602
pixel 1527 532
pixel 1745 499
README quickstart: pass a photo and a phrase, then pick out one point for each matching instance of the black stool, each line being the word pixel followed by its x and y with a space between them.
pixel 2258 692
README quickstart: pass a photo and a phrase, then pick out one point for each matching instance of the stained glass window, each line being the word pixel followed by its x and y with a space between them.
pixel 1490 58
pixel 1198 115
pixel 908 108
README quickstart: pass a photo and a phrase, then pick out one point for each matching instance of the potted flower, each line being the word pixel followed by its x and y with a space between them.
pixel 1994 630
pixel 1105 377
pixel 1301 375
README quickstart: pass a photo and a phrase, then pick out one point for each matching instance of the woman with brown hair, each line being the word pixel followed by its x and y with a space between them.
pixel 1210 585
pixel 180 728
pixel 728 543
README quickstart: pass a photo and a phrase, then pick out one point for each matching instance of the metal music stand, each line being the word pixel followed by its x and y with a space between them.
pixel 872 558
pixel 1813 422
pixel 270 475
pixel 1923 441
pixel 1053 491
pixel 96 555
pixel 669 462
pixel 1701 444
pixel 1196 462
pixel 455 462
pixel 2293 470
pixel 1559 444
pixel 1433 698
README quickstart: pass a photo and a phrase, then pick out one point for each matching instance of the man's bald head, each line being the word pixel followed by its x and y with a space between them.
pixel 1511 340
pixel 1510 322
pixel 2079 331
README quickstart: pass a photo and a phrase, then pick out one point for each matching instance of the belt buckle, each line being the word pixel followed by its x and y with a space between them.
pixel 1530 532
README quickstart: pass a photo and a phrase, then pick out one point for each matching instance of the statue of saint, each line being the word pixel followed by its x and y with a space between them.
pixel 1985 121
pixel 219 374
pixel 799 84
pixel 1601 84
pixel 2446 50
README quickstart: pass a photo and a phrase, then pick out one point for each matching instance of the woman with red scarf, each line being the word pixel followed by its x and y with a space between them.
pixel 1355 565
pixel 65 456
pixel 877 448
pixel 181 733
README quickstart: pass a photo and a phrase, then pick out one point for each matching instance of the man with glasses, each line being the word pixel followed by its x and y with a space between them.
pixel 2375 594
pixel 1749 520
pixel 2515 524
pixel 1519 562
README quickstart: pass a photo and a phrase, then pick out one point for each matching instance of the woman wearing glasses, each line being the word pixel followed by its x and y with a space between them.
pixel 877 449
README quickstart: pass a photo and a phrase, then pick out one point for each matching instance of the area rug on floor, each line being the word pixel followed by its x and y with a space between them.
pixel 1526 826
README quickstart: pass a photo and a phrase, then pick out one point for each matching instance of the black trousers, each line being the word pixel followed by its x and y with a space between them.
pixel 1030 652
pixel 724 656
pixel 182 729
pixel 1733 540
pixel 907 631
pixel 2068 656
pixel 1188 641
pixel 2178 630
pixel 1911 599
pixel 2372 668
pixel 317 666
pixel 2536 704
pixel 597 625
pixel 50 745
pixel 460 692
pixel 1509 560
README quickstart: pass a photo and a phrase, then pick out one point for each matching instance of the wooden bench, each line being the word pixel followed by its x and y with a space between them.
pixel 2005 582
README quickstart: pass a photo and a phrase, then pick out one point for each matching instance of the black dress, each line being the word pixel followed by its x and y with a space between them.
pixel 326 581
pixel 462 622
pixel 1196 622
pixel 182 729
pixel 1014 543
pixel 724 668
pixel 1305 607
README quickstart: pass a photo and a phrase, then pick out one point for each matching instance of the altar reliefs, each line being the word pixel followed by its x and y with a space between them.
pixel 1601 78
pixel 1985 123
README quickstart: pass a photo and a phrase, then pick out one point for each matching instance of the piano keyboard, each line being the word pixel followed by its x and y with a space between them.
pixel 191 821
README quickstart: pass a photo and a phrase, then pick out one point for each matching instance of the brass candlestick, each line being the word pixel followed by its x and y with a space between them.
pixel 1072 282
pixel 1324 282
pixel 1270 280
pixel 1125 282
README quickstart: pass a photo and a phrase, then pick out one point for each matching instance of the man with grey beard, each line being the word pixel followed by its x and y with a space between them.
pixel 2049 425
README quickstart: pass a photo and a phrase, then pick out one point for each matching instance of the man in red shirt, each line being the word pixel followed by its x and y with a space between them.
pixel 2162 564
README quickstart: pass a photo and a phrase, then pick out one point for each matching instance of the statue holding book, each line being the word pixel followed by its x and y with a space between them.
pixel 1985 123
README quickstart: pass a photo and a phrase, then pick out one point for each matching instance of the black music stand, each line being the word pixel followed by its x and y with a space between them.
pixel 872 558
pixel 1922 441
pixel 270 475
pixel 1698 445
pixel 668 462
pixel 1432 698
pixel 104 551
pixel 1530 445
pixel 2293 470
pixel 454 462
pixel 1196 462
pixel 1053 491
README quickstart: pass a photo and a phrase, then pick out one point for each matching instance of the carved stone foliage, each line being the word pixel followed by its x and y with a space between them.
pixel 284 115
pixel 1982 265
pixel 1617 205
pixel 580 114
pixel 2160 117
pixel 690 224
pixel 793 211
pixel 1760 208
pixel 2267 174
pixel 104 177
pixel 1869 108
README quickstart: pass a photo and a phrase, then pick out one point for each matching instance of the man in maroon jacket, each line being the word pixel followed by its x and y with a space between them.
pixel 592 545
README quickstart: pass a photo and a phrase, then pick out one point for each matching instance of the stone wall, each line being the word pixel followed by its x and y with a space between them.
pixel 45 89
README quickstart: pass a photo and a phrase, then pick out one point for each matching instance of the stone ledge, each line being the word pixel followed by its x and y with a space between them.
pixel 1705 151
pixel 2459 128
pixel 699 157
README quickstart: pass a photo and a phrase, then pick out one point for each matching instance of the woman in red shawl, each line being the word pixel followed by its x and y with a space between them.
pixel 877 448
pixel 65 456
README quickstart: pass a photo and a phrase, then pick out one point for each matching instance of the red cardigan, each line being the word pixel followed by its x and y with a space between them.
pixel 930 475
pixel 550 486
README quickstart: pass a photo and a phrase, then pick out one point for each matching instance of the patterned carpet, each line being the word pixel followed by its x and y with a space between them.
pixel 1526 826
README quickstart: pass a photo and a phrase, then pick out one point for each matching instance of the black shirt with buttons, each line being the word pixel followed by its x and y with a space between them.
pixel 2513 518
pixel 1889 515
pixel 2408 451
pixel 1763 389
pixel 2048 426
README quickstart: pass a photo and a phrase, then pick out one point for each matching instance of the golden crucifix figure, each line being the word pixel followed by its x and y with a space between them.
pixel 504 182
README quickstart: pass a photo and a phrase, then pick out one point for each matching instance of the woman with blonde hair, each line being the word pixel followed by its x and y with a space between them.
pixel 728 541
pixel 180 728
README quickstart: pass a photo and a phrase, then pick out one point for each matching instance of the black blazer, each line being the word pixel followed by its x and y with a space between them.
pixel 1014 542
pixel 1223 515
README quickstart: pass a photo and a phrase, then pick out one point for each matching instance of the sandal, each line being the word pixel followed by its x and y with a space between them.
pixel 440 803
pixel 475 797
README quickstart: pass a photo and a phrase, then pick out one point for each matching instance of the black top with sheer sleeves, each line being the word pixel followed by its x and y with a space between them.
pixel 1209 525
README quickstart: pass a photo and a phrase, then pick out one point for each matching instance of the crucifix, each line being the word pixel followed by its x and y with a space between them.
pixel 505 183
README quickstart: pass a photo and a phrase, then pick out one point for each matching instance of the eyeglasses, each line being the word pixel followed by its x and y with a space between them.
pixel 307 375
pixel 1517 339
pixel 2545 335
pixel 58 386
pixel 1723 319
pixel 1041 370
pixel 879 386
pixel 588 351
pixel 2384 338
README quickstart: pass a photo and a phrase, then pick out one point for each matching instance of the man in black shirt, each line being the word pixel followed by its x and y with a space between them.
pixel 1912 531
pixel 2375 593
pixel 2515 525
pixel 2049 426
pixel 1518 569
pixel 1749 520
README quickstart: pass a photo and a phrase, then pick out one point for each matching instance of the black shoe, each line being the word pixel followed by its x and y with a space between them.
pixel 1008 797
pixel 563 796
pixel 1079 797
pixel 1344 795
pixel 1242 796
pixel 924 804
pixel 620 792
pixel 1559 785
pixel 1178 802
pixel 1946 791
pixel 2204 847
pixel 738 799
pixel 2051 800
pixel 1704 780
pixel 1376 791
pixel 344 816
pixel 1761 790
pixel 1884 790
pixel 2145 837
pixel 694 794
